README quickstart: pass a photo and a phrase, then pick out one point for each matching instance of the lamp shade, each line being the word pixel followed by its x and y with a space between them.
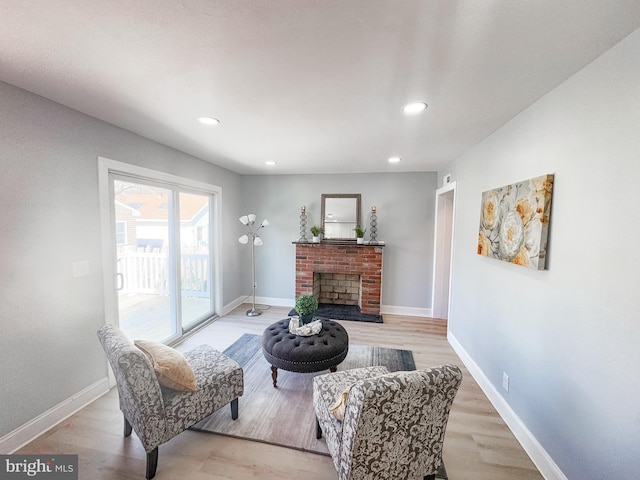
pixel 264 223
pixel 257 241
pixel 244 220
pixel 252 217
pixel 244 239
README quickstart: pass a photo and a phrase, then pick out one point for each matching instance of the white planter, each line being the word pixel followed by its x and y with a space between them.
pixel 360 240
pixel 316 239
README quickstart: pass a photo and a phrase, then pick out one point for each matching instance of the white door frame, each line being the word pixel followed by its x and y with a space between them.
pixel 443 250
pixel 105 166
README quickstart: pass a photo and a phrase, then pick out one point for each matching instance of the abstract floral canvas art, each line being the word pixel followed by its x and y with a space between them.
pixel 514 222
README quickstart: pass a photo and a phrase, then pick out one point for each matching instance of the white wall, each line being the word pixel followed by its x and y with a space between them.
pixel 405 208
pixel 49 218
pixel 569 337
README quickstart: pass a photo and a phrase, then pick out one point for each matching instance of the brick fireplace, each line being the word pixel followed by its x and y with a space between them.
pixel 342 274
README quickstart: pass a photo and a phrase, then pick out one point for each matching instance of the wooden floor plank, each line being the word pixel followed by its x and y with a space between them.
pixel 478 444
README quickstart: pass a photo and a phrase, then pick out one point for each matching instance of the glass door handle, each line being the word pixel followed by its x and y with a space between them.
pixel 119 281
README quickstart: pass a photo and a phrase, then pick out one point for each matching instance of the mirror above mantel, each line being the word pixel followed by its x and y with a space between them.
pixel 340 213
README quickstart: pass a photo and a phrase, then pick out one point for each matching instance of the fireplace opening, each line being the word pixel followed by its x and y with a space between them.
pixel 337 288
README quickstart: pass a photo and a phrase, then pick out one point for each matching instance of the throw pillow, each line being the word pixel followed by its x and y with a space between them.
pixel 171 368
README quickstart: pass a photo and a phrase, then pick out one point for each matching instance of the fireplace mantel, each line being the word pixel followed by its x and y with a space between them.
pixel 330 243
pixel 342 258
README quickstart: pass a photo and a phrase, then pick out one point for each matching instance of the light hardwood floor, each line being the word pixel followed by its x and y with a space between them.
pixel 478 444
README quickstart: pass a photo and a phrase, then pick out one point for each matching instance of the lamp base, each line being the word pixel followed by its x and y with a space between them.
pixel 253 312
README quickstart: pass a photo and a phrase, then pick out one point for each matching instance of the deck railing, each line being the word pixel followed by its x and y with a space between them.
pixel 147 272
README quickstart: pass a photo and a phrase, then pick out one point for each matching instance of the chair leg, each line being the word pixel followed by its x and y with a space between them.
pixel 318 429
pixel 430 477
pixel 234 409
pixel 152 463
pixel 127 428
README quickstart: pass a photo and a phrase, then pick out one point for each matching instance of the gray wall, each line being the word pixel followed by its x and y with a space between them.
pixel 405 203
pixel 49 218
pixel 568 336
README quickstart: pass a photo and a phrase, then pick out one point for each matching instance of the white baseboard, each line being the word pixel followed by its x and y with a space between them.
pixel 409 311
pixel 289 302
pixel 275 302
pixel 229 307
pixel 271 301
pixel 49 419
pixel 542 460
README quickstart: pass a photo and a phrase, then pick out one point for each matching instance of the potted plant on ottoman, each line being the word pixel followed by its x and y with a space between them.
pixel 306 306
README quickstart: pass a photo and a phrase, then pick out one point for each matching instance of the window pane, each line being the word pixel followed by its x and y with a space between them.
pixel 121 233
pixel 144 301
pixel 195 261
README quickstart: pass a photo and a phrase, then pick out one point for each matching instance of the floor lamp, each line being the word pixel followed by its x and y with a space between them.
pixel 250 222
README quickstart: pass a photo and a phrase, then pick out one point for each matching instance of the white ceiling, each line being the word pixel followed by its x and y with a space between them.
pixel 315 85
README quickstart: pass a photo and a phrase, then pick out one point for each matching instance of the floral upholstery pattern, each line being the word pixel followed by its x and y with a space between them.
pixel 157 413
pixel 394 423
pixel 220 380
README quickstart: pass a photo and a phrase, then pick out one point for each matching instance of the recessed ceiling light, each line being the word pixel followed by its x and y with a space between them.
pixel 413 108
pixel 394 159
pixel 208 120
pixel 270 163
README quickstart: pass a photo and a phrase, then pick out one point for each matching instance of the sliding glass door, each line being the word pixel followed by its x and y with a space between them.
pixel 195 258
pixel 143 263
pixel 163 244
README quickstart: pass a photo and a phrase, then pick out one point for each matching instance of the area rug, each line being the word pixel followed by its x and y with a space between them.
pixel 284 416
pixel 330 311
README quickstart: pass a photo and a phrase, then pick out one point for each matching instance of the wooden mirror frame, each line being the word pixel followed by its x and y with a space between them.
pixel 324 197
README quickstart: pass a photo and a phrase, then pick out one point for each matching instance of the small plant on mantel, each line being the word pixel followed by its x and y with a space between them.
pixel 316 230
pixel 359 231
pixel 306 306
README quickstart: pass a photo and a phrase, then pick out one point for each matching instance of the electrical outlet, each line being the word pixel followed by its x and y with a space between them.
pixel 505 381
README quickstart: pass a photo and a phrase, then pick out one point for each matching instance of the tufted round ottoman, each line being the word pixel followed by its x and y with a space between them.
pixel 295 353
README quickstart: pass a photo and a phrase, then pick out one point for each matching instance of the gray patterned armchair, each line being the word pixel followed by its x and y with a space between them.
pixel 393 425
pixel 158 413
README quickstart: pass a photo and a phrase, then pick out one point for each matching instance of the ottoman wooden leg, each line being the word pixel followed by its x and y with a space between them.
pixel 333 369
pixel 274 376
